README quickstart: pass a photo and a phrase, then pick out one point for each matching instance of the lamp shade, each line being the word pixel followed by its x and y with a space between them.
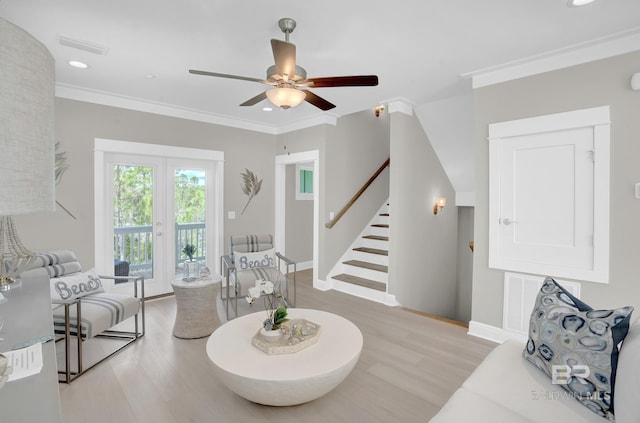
pixel 27 129
pixel 285 97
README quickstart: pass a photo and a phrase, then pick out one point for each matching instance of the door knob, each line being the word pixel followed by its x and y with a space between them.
pixel 508 221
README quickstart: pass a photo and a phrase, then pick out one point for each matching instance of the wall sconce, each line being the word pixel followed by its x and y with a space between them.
pixel 440 203
pixel 379 109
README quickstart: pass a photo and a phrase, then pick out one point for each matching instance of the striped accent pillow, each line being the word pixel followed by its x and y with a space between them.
pixel 99 313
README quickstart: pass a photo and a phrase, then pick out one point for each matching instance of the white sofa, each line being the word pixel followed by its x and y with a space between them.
pixel 507 388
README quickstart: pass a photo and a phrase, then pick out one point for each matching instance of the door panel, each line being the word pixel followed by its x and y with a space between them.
pixel 190 203
pixel 547 204
pixel 137 203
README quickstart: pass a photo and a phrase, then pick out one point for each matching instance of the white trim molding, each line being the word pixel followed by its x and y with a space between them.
pixel 72 92
pixel 280 184
pixel 492 333
pixel 115 146
pixel 612 45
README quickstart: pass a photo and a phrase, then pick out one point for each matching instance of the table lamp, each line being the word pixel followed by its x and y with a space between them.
pixel 27 141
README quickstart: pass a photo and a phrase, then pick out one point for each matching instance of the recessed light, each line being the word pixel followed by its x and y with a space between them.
pixel 267 109
pixel 150 76
pixel 578 3
pixel 78 64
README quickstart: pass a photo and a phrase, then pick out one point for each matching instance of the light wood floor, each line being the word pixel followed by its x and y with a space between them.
pixel 410 365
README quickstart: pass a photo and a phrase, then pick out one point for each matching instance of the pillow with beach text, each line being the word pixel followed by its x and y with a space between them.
pixel 75 285
pixel 260 259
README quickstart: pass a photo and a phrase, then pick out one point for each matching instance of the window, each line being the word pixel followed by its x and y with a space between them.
pixel 304 182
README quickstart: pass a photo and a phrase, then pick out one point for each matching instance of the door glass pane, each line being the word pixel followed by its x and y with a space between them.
pixel 133 220
pixel 190 212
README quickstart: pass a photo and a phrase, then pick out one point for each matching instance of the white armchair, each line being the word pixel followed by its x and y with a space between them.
pixel 82 310
pixel 252 257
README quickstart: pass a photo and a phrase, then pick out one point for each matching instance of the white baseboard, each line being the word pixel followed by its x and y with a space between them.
pixel 391 301
pixel 304 265
pixel 322 285
pixel 492 333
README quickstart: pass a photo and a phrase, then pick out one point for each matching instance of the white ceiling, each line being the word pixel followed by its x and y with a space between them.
pixel 419 49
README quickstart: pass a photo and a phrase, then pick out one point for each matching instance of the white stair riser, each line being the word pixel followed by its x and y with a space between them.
pixel 371 258
pixel 381 219
pixel 361 272
pixel 378 231
pixel 359 291
pixel 374 243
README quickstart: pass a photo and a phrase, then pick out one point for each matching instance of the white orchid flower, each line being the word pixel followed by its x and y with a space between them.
pixel 267 287
pixel 254 292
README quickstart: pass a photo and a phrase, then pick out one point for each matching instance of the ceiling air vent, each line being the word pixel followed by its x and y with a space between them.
pixel 83 45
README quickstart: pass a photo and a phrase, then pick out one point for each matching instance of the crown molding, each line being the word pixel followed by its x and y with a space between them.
pixel 601 48
pixel 109 99
pixel 322 119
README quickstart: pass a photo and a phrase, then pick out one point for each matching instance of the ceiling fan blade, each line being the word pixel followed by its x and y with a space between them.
pixel 224 75
pixel 284 56
pixel 344 81
pixel 255 100
pixel 317 101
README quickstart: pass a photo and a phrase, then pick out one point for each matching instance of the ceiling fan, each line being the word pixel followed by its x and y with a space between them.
pixel 290 80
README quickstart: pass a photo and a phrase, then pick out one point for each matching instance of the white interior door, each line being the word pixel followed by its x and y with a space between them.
pixel 549 195
pixel 546 212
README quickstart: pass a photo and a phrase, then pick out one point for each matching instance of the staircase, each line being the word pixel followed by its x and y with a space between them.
pixel 363 269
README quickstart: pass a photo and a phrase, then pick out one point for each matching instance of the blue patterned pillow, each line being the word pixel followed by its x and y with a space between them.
pixel 577 346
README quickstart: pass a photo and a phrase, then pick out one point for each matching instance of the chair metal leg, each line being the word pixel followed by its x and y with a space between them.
pixel 67 344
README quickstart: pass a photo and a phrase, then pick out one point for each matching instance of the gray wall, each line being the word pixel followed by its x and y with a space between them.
pixel 604 82
pixel 79 123
pixel 354 148
pixel 422 261
pixel 299 221
pixel 350 153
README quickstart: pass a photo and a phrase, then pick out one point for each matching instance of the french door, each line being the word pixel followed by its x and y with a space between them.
pixel 152 207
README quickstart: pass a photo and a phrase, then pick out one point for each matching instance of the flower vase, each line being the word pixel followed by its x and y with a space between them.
pixel 271 335
pixel 191 270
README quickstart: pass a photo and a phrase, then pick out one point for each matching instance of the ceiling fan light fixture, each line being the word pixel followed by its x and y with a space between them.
pixel 285 97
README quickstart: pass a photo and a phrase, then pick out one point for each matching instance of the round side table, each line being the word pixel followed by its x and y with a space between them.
pixel 196 314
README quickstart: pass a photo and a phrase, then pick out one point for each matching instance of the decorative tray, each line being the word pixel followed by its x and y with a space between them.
pixel 297 334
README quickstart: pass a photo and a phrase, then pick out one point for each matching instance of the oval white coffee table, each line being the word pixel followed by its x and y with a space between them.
pixel 284 379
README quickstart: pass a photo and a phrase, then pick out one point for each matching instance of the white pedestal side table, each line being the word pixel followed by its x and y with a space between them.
pixel 284 379
pixel 196 314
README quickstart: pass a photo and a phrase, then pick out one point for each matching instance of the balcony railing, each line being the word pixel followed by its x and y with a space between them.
pixel 134 244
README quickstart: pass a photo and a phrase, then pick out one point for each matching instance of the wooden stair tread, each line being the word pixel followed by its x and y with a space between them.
pixel 384 214
pixel 366 283
pixel 372 251
pixel 380 225
pixel 366 265
pixel 377 237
